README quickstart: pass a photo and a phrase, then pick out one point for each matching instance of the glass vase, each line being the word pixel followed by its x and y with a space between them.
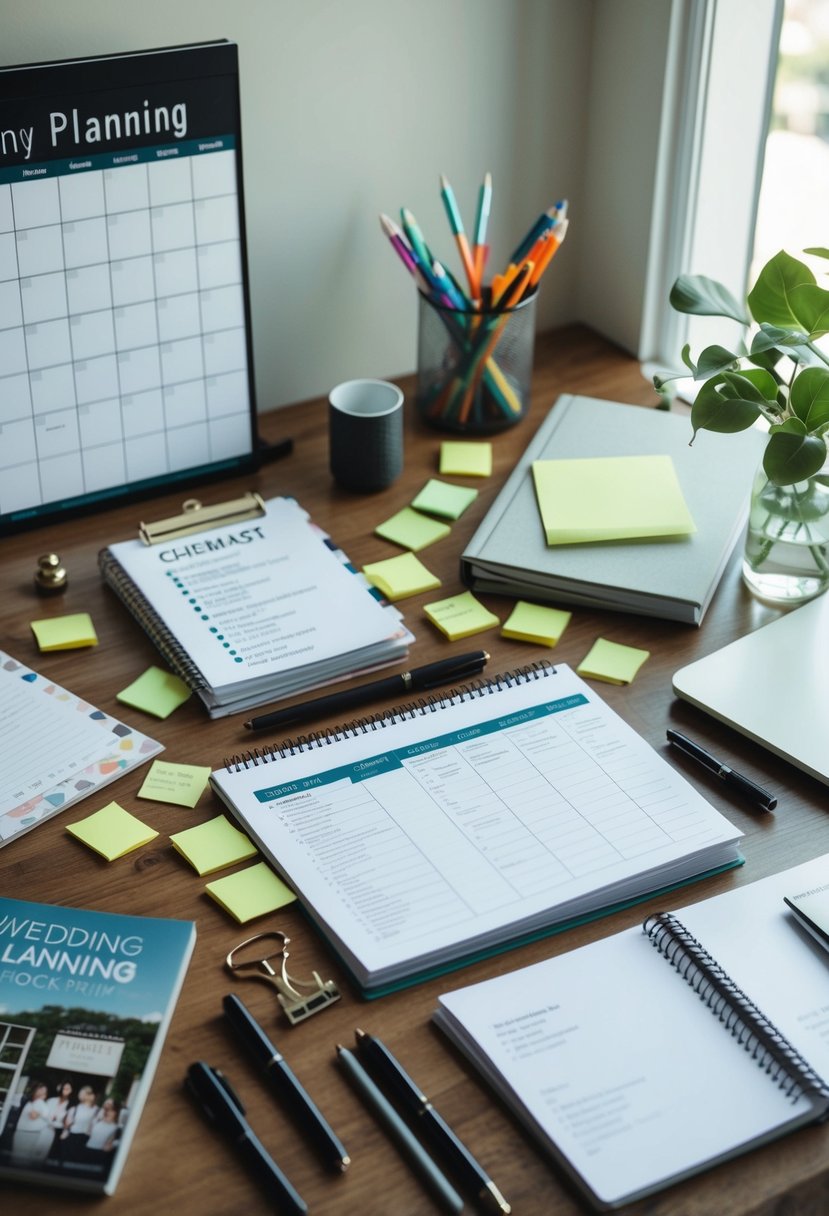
pixel 786 557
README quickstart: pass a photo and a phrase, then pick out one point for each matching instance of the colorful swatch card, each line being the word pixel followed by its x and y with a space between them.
pixel 444 499
pixel 57 748
pixel 156 692
pixel 112 831
pixel 612 662
pixel 399 577
pixel 71 632
pixel 178 784
pixel 461 458
pixel 250 893
pixel 412 530
pixel 610 498
pixel 213 845
pixel 460 616
pixel 535 623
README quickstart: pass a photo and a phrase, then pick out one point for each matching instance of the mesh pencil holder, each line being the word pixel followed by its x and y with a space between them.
pixel 474 368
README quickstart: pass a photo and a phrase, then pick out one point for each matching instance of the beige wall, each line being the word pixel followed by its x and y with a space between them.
pixel 352 107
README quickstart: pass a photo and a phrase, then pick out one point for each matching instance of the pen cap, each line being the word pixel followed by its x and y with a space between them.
pixel 474 366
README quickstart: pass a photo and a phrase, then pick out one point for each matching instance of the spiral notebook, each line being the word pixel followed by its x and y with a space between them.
pixel 243 608
pixel 446 829
pixel 609 1057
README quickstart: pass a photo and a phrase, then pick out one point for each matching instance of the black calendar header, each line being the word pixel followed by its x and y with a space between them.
pixel 117 103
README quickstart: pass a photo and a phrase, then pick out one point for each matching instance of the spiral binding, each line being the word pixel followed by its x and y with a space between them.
pixel 734 1009
pixel 388 717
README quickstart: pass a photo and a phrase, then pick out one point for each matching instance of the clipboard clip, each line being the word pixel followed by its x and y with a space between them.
pixel 257 963
pixel 195 517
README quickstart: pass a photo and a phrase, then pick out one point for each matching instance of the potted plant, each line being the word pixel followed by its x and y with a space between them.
pixel 778 375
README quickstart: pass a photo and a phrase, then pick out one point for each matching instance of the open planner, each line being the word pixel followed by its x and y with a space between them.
pixel 636 1067
pixel 445 830
pixel 244 610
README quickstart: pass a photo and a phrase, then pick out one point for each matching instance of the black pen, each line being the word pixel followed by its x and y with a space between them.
pixel 274 1066
pixel 392 1123
pixel 744 785
pixel 221 1106
pixel 407 1097
pixel 432 675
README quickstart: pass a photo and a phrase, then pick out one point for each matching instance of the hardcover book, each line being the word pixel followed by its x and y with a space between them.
pixel 673 577
pixel 86 999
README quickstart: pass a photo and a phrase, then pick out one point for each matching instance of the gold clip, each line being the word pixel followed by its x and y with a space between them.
pixel 195 518
pixel 296 1006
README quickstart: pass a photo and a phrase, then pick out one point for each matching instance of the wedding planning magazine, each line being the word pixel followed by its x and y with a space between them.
pixel 442 831
pixel 635 1067
pixel 254 611
pixel 57 748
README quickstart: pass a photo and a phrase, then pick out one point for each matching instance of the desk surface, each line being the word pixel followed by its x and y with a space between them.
pixel 176 1162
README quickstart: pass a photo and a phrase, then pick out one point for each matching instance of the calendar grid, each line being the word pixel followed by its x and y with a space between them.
pixel 123 348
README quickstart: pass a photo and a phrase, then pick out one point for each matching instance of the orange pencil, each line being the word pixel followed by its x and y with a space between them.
pixel 456 224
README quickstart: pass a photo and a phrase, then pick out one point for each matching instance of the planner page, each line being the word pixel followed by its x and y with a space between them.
pixel 447 831
pixel 56 748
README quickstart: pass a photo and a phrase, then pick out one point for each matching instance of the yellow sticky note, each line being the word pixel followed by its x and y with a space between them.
pixel 156 692
pixel 412 530
pixel 180 784
pixel 535 623
pixel 610 498
pixel 612 662
pixel 251 892
pixel 398 577
pixel 112 831
pixel 460 616
pixel 465 459
pixel 65 632
pixel 443 499
pixel 213 845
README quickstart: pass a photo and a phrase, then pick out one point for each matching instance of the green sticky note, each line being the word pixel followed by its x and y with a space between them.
pixel 412 530
pixel 179 784
pixel 612 662
pixel 251 892
pixel 610 498
pixel 443 499
pixel 464 459
pixel 534 623
pixel 156 692
pixel 112 831
pixel 398 577
pixel 460 616
pixel 213 845
pixel 65 632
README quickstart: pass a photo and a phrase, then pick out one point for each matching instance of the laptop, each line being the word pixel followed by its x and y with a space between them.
pixel 772 685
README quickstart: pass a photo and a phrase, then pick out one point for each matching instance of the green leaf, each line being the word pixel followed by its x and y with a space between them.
pixel 704 297
pixel 770 299
pixel 713 410
pixel 768 337
pixel 809 397
pixel 687 360
pixel 791 455
pixel 811 305
pixel 715 359
pixel 817 251
pixel 751 384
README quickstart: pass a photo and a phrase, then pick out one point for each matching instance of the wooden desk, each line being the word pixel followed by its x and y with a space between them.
pixel 176 1162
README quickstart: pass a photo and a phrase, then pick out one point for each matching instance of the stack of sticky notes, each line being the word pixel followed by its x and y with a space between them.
pixel 534 623
pixel 610 498
pixel 412 530
pixel 444 499
pixel 213 845
pixel 251 892
pixel 460 616
pixel 612 662
pixel 65 632
pixel 112 831
pixel 462 458
pixel 156 692
pixel 399 577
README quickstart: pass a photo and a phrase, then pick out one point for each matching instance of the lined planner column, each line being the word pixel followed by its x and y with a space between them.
pixel 18 455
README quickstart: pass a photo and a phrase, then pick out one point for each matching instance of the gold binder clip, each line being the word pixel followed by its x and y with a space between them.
pixel 297 1007
pixel 195 517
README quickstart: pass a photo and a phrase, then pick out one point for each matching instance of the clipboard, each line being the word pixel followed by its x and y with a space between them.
pixel 195 517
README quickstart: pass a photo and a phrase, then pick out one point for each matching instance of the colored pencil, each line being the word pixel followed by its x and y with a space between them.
pixel 456 224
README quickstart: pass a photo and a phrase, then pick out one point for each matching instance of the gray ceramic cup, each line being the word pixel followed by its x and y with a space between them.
pixel 365 434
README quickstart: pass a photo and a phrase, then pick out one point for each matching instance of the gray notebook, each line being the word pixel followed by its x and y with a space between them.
pixel 673 578
pixel 772 686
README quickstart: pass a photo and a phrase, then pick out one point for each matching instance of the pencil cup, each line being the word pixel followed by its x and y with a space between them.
pixel 365 433
pixel 474 368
